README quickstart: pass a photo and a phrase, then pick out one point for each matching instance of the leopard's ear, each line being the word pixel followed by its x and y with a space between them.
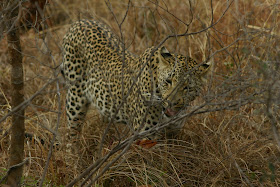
pixel 164 52
pixel 204 68
pixel 163 58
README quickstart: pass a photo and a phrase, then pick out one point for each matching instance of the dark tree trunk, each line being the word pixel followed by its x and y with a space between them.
pixel 17 130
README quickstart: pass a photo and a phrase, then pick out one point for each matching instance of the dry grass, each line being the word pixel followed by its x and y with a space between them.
pixel 223 148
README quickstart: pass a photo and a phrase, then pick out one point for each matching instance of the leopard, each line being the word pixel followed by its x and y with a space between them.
pixel 141 91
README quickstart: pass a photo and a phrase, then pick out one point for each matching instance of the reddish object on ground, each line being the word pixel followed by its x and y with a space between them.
pixel 147 144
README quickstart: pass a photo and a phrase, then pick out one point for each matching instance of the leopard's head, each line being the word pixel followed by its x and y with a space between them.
pixel 180 79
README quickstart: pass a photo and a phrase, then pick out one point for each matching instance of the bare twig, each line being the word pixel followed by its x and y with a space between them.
pixel 12 168
pixel 27 101
pixel 54 135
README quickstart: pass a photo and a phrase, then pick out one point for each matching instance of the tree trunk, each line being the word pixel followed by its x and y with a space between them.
pixel 17 130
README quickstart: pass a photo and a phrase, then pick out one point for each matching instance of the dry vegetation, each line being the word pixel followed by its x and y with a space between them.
pixel 232 141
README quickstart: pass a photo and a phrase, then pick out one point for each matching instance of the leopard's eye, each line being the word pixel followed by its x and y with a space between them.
pixel 169 81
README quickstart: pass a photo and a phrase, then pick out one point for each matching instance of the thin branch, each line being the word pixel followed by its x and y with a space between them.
pixel 54 135
pixel 12 168
pixel 26 102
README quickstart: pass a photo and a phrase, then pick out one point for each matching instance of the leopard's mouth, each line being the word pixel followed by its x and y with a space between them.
pixel 172 109
pixel 169 112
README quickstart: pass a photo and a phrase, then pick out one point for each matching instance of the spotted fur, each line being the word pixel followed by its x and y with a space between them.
pixel 136 90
